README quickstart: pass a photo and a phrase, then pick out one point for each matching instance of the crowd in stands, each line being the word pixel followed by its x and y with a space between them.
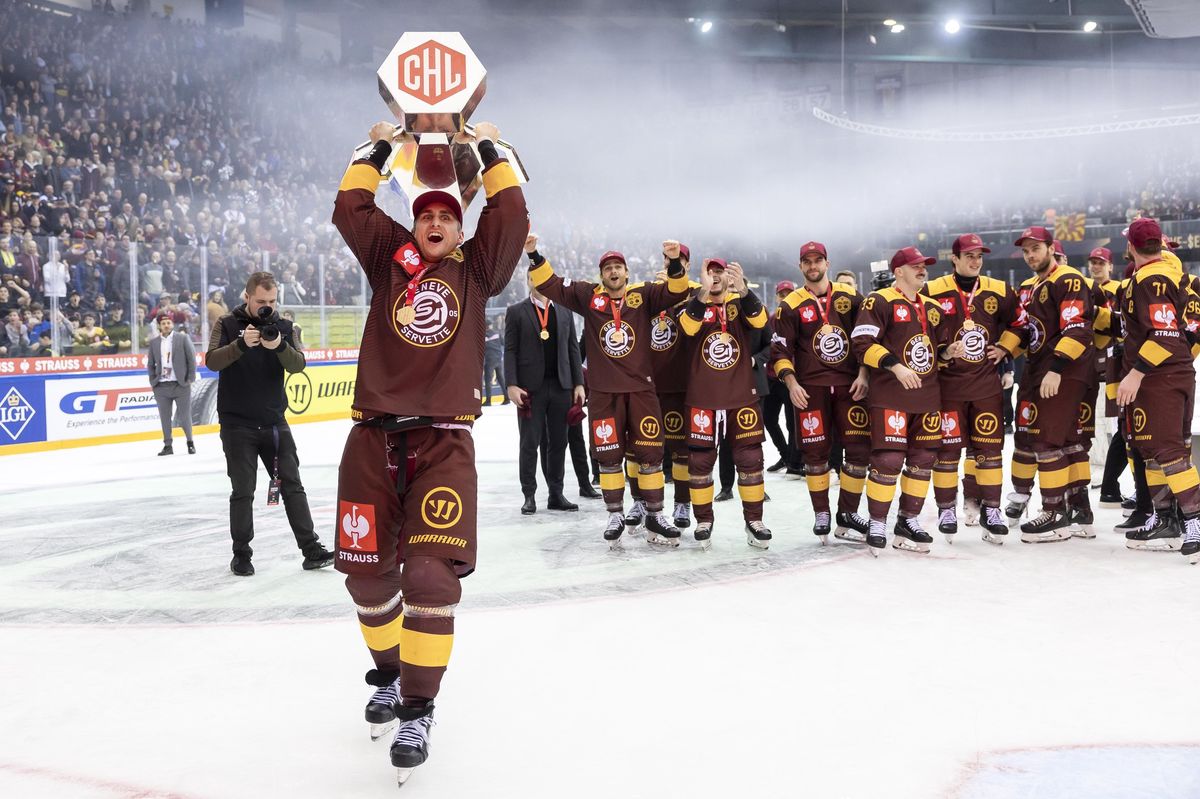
pixel 123 149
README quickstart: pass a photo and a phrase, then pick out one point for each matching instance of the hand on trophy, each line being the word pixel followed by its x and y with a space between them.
pixel 383 130
pixel 486 130
pixel 671 249
pixel 531 242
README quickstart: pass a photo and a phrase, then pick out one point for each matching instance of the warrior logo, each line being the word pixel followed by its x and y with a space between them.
pixel 858 417
pixel 649 427
pixel 441 508
pixel 436 314
pixel 702 422
pixel 1085 412
pixel 358 523
pixel 1037 334
pixel 1139 420
pixel 720 354
pixel 663 333
pixel 747 418
pixel 673 421
pixel 1162 316
pixel 974 344
pixel 1026 414
pixel 616 343
pixel 918 354
pixel 603 431
pixel 986 424
pixel 831 346
pixel 812 425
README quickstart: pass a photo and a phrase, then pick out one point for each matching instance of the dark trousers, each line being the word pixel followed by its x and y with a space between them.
pixel 493 368
pixel 244 448
pixel 548 406
pixel 725 470
pixel 579 454
pixel 777 400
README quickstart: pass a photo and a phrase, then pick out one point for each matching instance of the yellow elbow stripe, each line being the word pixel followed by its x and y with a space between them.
pixel 678 285
pixel 1010 341
pixel 360 176
pixel 1069 348
pixel 759 319
pixel 690 326
pixel 784 365
pixel 541 274
pixel 499 178
pixel 612 481
pixel 875 355
pixel 384 637
pixel 1153 353
pixel 425 649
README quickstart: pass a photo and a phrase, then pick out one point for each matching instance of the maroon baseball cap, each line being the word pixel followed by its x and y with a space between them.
pixel 910 256
pixel 1058 248
pixel 611 255
pixel 430 197
pixel 1037 233
pixel 968 242
pixel 709 263
pixel 1143 230
pixel 814 246
pixel 785 285
pixel 685 253
pixel 1103 253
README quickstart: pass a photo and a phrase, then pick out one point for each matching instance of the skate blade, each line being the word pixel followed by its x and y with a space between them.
pixel 1084 532
pixel 874 551
pixel 756 543
pixel 1110 504
pixel 662 542
pixel 616 546
pixel 380 730
pixel 853 536
pixel 824 539
pixel 402 775
pixel 991 538
pixel 1044 538
pixel 706 544
pixel 908 546
pixel 949 537
pixel 1194 559
pixel 971 521
pixel 1158 545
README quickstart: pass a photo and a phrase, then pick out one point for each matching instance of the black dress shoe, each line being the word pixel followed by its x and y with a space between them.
pixel 587 492
pixel 559 502
pixel 191 448
pixel 725 493
pixel 166 450
pixel 241 566
pixel 778 466
pixel 529 508
pixel 317 558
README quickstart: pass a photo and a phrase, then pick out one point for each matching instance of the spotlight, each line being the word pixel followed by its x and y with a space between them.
pixel 871 38
pixel 706 26
pixel 889 22
pixel 1090 26
pixel 691 20
pixel 780 27
pixel 953 26
pixel 897 28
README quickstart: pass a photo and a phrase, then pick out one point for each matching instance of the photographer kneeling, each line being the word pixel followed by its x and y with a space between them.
pixel 251 348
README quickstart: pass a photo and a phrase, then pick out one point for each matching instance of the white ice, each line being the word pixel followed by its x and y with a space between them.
pixel 134 665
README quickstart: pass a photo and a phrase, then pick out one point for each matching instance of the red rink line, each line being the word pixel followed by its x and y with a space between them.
pixel 124 790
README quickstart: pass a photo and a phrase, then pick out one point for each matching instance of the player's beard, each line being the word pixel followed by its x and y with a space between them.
pixel 1045 264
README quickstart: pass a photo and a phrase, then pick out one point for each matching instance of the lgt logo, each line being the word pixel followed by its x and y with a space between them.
pixel 15 413
pixel 431 72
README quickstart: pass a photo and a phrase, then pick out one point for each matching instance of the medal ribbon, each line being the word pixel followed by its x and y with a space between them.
pixel 543 317
pixel 967 301
pixel 720 309
pixel 920 309
pixel 1037 286
pixel 410 260
pixel 616 306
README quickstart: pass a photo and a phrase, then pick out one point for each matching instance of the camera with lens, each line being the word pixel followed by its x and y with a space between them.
pixel 266 323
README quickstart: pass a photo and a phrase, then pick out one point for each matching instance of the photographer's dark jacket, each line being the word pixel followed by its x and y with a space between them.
pixel 250 390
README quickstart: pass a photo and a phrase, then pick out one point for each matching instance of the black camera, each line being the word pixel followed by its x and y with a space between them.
pixel 266 323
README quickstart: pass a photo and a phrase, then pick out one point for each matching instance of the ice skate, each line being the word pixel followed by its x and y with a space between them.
pixel 1051 525
pixel 1191 540
pixel 948 524
pixel 908 536
pixel 380 712
pixel 659 531
pixel 703 535
pixel 851 527
pixel 1160 533
pixel 636 516
pixel 821 527
pixel 970 511
pixel 614 528
pixel 1133 521
pixel 757 535
pixel 683 514
pixel 876 536
pixel 1015 508
pixel 1082 523
pixel 410 747
pixel 994 528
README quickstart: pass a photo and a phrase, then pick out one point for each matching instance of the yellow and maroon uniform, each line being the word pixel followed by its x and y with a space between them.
pixel 670 364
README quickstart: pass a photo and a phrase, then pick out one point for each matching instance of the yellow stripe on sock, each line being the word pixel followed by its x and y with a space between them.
pixel 880 492
pixel 384 637
pixel 650 482
pixel 1183 481
pixel 852 484
pixel 913 487
pixel 1155 477
pixel 817 482
pixel 702 496
pixel 1054 478
pixel 945 479
pixel 631 469
pixel 425 649
pixel 969 468
pixel 611 481
pixel 989 476
pixel 1081 472
pixel 679 472
pixel 1022 470
pixel 751 493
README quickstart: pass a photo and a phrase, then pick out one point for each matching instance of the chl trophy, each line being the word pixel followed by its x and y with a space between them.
pixel 433 82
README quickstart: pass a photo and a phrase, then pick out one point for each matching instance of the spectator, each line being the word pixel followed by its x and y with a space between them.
pixel 15 342
pixel 90 339
pixel 119 334
pixel 216 307
pixel 297 331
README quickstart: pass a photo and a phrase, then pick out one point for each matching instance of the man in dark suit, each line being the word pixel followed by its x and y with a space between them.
pixel 544 375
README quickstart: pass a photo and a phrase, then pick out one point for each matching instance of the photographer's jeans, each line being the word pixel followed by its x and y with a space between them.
pixel 244 447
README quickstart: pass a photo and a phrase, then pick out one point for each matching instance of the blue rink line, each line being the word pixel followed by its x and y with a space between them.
pixel 1099 772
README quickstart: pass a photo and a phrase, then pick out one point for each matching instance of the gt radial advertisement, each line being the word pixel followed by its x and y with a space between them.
pixel 83 407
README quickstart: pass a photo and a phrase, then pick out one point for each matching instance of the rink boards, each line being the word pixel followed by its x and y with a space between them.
pixel 51 403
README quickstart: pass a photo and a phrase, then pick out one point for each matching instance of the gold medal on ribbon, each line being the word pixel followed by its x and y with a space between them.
pixel 726 338
pixel 662 324
pixel 825 330
pixel 619 337
pixel 544 335
pixel 405 316
pixel 969 324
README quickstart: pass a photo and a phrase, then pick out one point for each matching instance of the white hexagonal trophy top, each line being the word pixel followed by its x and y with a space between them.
pixel 432 81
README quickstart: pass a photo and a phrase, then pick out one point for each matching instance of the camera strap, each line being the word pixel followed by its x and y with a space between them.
pixel 273 490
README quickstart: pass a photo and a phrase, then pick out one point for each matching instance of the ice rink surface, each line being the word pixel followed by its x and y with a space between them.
pixel 134 664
